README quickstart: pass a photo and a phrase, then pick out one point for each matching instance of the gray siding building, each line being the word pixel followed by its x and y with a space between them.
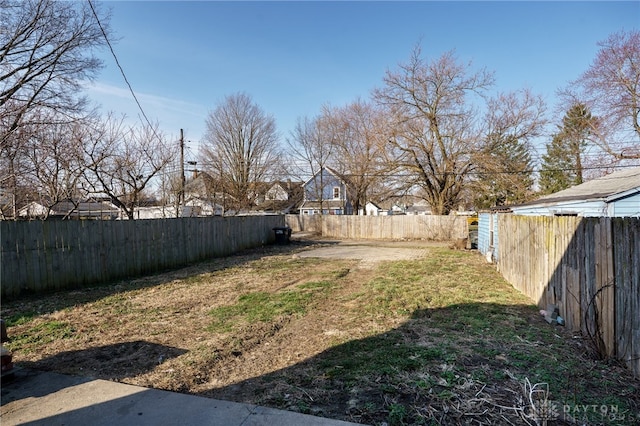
pixel 614 195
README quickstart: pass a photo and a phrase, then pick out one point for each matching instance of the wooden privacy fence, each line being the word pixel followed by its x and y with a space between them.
pixel 304 223
pixel 438 228
pixel 588 267
pixel 50 255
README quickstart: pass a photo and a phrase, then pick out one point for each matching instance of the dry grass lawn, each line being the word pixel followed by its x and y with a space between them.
pixel 436 340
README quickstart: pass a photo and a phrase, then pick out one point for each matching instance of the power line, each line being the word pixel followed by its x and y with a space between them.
pixel 204 166
pixel 126 80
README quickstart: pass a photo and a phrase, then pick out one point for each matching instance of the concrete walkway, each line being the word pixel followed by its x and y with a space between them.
pixel 43 398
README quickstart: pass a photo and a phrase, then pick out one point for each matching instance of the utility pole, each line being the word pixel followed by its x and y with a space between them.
pixel 182 177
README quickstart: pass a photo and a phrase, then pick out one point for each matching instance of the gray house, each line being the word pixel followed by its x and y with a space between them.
pixel 614 195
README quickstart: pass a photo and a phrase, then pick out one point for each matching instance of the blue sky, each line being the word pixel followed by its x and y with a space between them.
pixel 183 58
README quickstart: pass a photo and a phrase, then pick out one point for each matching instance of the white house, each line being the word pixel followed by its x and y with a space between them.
pixel 371 209
pixel 614 195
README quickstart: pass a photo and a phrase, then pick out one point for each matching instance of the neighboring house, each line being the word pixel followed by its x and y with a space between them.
pixel 281 197
pixel 278 191
pixel 418 209
pixel 614 195
pixel 371 209
pixel 153 212
pixel 201 207
pixel 70 210
pixel 326 192
pixel 203 196
pixel 397 209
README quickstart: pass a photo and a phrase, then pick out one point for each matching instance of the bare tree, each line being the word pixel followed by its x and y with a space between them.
pixel 240 148
pixel 55 163
pixel 610 88
pixel 121 162
pixel 504 164
pixel 435 133
pixel 359 147
pixel 11 171
pixel 46 53
pixel 309 148
pixel 312 147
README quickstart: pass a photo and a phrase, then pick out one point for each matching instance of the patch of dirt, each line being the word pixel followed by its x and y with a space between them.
pixel 370 253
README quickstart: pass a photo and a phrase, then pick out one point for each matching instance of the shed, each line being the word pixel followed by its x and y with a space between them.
pixel 613 195
pixel 488 232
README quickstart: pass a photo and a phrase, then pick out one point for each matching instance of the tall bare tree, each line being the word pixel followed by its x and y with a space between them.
pixel 310 147
pixel 504 164
pixel 122 162
pixel 46 53
pixel 610 88
pixel 435 132
pixel 359 147
pixel 240 148
pixel 316 145
pixel 55 162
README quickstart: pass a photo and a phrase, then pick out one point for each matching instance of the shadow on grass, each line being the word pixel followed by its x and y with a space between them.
pixel 110 362
pixel 474 362
pixel 16 310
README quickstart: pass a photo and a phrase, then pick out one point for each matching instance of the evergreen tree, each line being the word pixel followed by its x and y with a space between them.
pixel 562 165
pixel 556 172
pixel 505 176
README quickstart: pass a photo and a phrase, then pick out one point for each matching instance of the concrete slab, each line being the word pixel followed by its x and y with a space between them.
pixel 368 254
pixel 45 398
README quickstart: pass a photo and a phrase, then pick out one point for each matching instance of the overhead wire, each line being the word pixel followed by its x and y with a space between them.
pixel 537 156
pixel 124 76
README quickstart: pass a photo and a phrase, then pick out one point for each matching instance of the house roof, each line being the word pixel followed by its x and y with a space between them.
pixel 608 188
pixel 74 208
pixel 202 182
pixel 418 208
pixel 291 187
pixel 342 178
pixel 65 207
pixel 373 204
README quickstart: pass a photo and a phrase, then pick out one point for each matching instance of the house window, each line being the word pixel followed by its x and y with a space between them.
pixel 336 192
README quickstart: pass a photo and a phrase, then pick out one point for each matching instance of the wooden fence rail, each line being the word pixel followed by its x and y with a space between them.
pixel 51 255
pixel 588 267
pixel 428 227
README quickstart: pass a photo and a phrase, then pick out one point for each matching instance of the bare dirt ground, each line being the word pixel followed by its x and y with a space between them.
pixel 368 253
pixel 326 350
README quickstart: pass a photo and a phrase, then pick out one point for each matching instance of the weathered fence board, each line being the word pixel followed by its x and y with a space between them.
pixel 51 255
pixel 588 267
pixel 428 227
